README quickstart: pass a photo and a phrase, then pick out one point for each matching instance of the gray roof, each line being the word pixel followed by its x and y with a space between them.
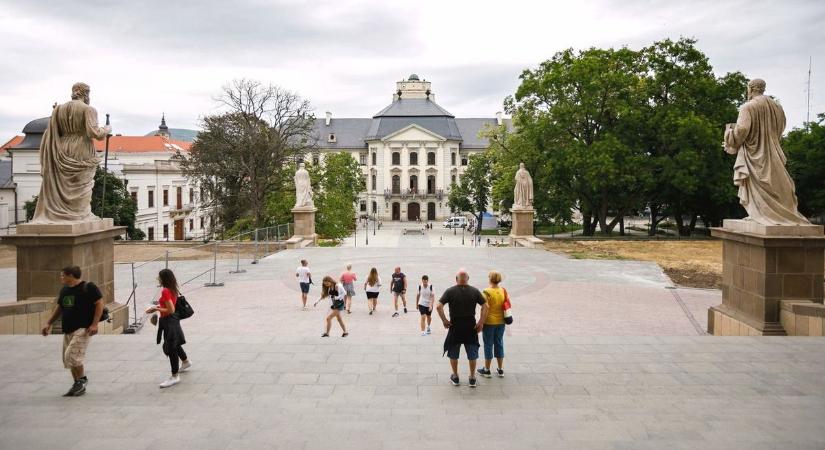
pixel 33 133
pixel 5 175
pixel 469 129
pixel 349 133
pixel 406 107
pixel 178 134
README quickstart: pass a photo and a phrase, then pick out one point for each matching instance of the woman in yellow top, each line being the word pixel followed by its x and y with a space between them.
pixel 493 331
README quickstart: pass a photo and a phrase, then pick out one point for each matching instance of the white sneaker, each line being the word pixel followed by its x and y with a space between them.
pixel 186 364
pixel 423 333
pixel 173 380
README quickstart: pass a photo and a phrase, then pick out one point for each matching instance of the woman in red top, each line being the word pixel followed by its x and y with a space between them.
pixel 169 326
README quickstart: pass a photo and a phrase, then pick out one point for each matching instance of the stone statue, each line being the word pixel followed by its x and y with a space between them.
pixel 303 188
pixel 766 190
pixel 68 161
pixel 523 193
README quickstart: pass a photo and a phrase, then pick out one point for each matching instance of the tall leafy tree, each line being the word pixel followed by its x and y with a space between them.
pixel 243 154
pixel 472 192
pixel 336 183
pixel 805 148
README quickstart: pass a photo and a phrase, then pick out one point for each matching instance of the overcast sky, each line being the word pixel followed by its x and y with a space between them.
pixel 143 58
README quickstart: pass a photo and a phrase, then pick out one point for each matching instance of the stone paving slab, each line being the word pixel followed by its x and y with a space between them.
pixel 311 393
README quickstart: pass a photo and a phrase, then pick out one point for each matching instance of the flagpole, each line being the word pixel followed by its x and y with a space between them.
pixel 105 170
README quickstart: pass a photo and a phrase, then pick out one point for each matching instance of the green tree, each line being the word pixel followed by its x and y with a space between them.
pixel 472 192
pixel 243 155
pixel 805 148
pixel 574 110
pixel 336 184
pixel 681 126
pixel 119 205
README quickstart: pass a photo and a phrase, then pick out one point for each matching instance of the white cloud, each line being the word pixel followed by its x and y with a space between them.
pixel 145 58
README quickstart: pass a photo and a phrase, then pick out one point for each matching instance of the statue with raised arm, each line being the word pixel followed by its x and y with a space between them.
pixel 766 190
pixel 68 161
pixel 523 192
pixel 303 188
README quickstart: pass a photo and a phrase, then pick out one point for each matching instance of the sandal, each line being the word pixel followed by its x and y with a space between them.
pixel 325 335
pixel 345 335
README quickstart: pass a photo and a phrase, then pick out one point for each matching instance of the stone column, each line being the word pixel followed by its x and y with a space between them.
pixel 43 250
pixel 304 234
pixel 764 266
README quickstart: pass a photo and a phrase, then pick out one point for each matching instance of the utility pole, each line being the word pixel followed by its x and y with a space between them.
pixel 808 116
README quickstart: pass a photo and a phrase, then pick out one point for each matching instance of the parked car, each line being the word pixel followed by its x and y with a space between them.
pixel 455 222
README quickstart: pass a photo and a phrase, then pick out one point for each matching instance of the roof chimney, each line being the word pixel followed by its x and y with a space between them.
pixel 498 118
pixel 329 118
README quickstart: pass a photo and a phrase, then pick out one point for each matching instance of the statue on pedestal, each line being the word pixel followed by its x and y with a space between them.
pixel 68 161
pixel 303 188
pixel 523 192
pixel 766 190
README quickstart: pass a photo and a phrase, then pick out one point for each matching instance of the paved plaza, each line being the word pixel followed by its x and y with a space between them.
pixel 603 354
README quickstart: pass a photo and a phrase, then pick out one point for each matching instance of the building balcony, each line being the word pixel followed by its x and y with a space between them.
pixel 180 210
pixel 413 193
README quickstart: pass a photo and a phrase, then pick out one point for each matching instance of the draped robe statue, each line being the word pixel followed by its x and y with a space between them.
pixel 766 190
pixel 523 192
pixel 303 188
pixel 68 161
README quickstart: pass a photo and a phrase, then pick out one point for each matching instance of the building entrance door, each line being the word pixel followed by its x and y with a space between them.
pixel 431 211
pixel 179 230
pixel 396 211
pixel 413 211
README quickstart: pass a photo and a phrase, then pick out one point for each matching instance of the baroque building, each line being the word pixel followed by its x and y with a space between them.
pixel 410 152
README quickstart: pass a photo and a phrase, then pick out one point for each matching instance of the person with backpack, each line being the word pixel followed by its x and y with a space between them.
pixel 336 293
pixel 425 300
pixel 493 332
pixel 80 308
pixel 372 286
pixel 169 327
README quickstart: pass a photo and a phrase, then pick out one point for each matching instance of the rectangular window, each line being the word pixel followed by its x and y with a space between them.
pixel 151 203
pixel 463 160
pixel 191 224
pixel 151 233
pixel 179 198
pixel 134 196
pixel 452 158
pixel 166 231
pixel 201 223
pixel 374 158
pixel 191 196
pixel 363 159
pixel 364 206
pixel 166 197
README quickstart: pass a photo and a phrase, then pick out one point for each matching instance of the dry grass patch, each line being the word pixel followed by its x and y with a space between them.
pixel 687 263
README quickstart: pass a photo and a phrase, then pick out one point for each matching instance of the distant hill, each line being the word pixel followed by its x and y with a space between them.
pixel 179 134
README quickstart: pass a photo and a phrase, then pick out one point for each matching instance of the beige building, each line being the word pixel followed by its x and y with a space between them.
pixel 410 152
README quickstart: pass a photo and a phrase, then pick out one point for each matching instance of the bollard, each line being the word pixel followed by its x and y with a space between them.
pixel 134 295
pixel 238 259
pixel 167 259
pixel 255 256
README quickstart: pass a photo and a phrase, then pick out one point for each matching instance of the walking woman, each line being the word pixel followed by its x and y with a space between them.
pixel 169 327
pixel 372 286
pixel 335 292
pixel 348 279
pixel 493 331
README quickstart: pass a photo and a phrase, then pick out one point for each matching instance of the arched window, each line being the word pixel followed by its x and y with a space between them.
pixel 413 158
pixel 373 182
pixel 396 159
pixel 431 158
pixel 413 183
pixel 452 178
pixel 374 207
pixel 374 158
pixel 396 184
pixel 430 184
pixel 452 158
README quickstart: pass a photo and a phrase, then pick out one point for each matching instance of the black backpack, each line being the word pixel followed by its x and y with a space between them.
pixel 183 310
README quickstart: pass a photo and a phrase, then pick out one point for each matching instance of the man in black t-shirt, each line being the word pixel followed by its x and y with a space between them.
pixel 398 287
pixel 462 326
pixel 79 307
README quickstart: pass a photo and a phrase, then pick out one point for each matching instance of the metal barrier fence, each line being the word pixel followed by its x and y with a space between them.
pixel 259 243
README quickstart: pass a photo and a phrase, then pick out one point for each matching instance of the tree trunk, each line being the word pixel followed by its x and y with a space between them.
pixel 693 218
pixel 621 226
pixel 603 218
pixel 654 213
pixel 587 223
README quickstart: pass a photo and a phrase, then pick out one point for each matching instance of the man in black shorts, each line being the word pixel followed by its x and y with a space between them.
pixel 398 286
pixel 462 326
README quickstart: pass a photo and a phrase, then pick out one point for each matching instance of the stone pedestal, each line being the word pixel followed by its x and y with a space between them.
pixel 761 270
pixel 44 250
pixel 521 232
pixel 304 218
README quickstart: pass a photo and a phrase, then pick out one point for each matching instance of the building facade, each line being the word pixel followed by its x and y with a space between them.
pixel 169 205
pixel 410 152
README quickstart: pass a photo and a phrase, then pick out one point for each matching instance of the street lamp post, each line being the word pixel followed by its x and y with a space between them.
pixel 367 232
pixel 462 235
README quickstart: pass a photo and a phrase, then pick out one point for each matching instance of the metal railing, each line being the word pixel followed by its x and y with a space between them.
pixel 261 242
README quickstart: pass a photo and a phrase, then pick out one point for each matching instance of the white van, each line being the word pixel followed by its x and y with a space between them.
pixel 455 222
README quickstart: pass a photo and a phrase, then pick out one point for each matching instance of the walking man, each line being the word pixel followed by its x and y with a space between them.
pixel 398 286
pixel 304 277
pixel 79 306
pixel 462 328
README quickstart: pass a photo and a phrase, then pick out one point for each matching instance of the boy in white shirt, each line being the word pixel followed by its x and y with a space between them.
pixel 304 277
pixel 425 300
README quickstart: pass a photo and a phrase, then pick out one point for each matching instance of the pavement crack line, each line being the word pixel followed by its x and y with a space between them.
pixel 687 312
